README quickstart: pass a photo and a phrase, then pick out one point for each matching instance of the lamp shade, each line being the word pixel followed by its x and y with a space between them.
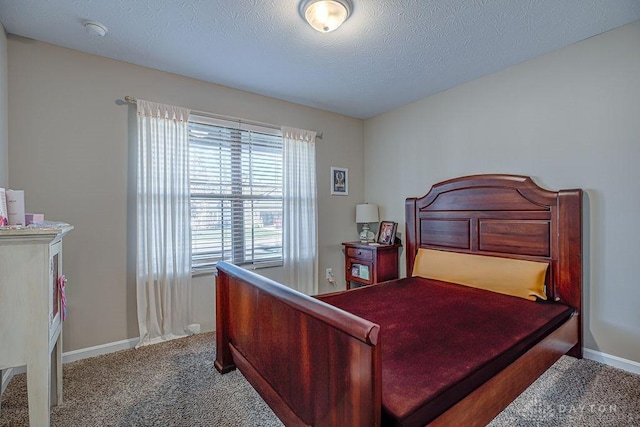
pixel 366 212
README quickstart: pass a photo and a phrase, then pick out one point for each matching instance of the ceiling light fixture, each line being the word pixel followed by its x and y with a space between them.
pixel 325 15
pixel 95 28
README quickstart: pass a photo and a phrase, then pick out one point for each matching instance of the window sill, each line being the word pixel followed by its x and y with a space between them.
pixel 213 270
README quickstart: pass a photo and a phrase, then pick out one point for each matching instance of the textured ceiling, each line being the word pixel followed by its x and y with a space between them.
pixel 387 54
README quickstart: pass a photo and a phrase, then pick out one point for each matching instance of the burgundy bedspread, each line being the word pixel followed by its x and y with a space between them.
pixel 441 340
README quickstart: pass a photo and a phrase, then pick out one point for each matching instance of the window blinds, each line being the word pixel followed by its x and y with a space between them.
pixel 236 193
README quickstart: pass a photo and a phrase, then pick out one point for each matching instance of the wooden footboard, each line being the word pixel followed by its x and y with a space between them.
pixel 312 363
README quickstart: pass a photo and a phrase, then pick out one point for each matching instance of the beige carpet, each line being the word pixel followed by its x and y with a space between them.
pixel 175 384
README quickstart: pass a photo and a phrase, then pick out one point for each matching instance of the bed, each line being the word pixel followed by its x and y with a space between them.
pixel 417 351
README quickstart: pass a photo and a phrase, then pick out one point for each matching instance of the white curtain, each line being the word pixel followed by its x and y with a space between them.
pixel 163 280
pixel 300 230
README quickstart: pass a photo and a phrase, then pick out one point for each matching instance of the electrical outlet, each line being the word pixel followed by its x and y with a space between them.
pixel 328 274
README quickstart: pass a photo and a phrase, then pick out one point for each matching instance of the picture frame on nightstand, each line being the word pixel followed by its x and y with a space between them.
pixel 387 232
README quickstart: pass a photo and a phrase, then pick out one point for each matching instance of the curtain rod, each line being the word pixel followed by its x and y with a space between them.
pixel 131 100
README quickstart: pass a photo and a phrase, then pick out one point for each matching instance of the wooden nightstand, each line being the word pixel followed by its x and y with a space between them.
pixel 366 264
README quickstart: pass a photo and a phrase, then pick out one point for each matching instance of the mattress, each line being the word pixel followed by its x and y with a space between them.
pixel 441 340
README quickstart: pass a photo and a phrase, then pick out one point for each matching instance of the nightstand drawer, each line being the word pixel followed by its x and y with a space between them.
pixel 360 253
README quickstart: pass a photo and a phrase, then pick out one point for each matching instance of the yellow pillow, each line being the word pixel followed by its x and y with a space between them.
pixel 524 279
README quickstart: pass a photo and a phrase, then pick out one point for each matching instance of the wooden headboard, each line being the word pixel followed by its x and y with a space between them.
pixel 506 216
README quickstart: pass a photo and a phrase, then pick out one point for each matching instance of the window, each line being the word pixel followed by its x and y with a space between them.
pixel 236 193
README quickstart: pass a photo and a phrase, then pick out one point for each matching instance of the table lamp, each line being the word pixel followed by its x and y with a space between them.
pixel 366 213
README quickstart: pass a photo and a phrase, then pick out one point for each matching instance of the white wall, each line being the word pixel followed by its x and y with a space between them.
pixel 569 119
pixel 69 145
pixel 4 123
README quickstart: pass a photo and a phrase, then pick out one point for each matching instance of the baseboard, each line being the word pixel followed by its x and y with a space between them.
pixel 98 350
pixel 7 374
pixel 85 353
pixel 615 361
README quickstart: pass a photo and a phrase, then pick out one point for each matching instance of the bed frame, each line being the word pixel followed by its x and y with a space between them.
pixel 315 364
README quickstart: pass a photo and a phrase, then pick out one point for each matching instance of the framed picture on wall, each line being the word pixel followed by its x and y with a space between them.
pixel 387 233
pixel 339 181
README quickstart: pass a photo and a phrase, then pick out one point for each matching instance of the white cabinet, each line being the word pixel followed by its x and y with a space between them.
pixel 30 312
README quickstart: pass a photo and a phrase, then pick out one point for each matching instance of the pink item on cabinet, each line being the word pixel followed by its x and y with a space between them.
pixel 32 217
